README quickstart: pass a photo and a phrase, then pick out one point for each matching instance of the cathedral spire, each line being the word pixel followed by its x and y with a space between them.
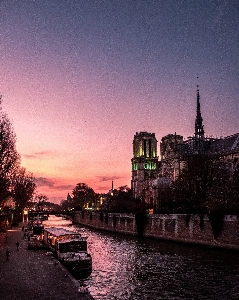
pixel 199 130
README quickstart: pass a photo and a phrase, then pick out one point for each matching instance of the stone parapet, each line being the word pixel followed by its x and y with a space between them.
pixel 185 228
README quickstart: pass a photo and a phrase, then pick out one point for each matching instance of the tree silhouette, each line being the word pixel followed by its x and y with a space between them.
pixel 83 196
pixel 24 186
pixel 198 181
pixel 9 157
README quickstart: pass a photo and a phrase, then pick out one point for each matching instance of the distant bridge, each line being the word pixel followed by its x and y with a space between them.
pixel 32 214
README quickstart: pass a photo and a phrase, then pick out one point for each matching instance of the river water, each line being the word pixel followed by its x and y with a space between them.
pixel 127 269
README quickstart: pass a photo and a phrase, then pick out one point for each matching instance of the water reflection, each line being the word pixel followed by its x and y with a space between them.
pixel 125 268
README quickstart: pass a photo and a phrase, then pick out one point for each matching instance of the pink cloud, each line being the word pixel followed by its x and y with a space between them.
pixel 42 181
pixel 37 155
pixel 108 178
pixel 53 184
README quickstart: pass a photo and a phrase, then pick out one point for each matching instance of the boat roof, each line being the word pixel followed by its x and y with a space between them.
pixel 81 239
pixel 59 231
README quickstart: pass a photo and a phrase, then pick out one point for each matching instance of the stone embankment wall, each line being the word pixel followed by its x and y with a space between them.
pixel 196 229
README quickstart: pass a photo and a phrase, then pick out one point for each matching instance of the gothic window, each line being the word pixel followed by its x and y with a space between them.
pixel 150 148
pixel 145 149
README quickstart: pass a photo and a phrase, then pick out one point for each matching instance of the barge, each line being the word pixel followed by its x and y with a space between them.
pixel 70 248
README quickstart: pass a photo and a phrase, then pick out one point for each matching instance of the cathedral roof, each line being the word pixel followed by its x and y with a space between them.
pixel 228 144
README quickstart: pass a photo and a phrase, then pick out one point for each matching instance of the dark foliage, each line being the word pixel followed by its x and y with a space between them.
pixel 207 183
pixel 23 188
pixel 9 157
pixel 141 219
pixel 217 220
pixel 122 201
pixel 83 195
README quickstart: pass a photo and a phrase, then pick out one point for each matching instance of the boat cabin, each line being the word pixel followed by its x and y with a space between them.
pixel 74 245
pixel 64 240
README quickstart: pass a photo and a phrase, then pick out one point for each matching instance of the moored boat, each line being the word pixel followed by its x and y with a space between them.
pixel 70 248
pixel 37 227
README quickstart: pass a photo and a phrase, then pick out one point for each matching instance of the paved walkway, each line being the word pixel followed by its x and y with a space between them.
pixel 32 274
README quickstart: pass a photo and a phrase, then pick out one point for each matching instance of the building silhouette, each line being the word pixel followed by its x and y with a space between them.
pixel 152 177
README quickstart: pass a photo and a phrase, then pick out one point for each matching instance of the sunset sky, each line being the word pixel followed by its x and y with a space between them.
pixel 80 77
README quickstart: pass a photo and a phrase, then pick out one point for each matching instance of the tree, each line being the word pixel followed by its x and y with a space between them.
pixel 235 184
pixel 200 178
pixel 164 190
pixel 224 195
pixel 122 201
pixel 67 204
pixel 23 188
pixel 41 200
pixel 83 196
pixel 9 157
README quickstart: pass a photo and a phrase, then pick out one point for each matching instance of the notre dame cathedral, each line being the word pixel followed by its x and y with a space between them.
pixel 149 173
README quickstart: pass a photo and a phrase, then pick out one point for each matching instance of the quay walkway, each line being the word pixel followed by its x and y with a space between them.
pixel 30 274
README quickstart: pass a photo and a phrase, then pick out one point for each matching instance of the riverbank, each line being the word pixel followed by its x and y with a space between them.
pixel 219 231
pixel 30 274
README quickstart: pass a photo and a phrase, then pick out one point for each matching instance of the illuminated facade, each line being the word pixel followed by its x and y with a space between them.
pixel 144 161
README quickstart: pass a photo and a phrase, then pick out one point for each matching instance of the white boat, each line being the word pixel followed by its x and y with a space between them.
pixel 70 248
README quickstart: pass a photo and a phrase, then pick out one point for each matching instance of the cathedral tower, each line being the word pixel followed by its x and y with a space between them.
pixel 199 130
pixel 144 161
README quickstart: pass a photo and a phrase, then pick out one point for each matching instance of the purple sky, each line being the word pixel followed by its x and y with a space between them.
pixel 79 78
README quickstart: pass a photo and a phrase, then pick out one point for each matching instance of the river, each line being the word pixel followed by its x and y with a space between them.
pixel 127 269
